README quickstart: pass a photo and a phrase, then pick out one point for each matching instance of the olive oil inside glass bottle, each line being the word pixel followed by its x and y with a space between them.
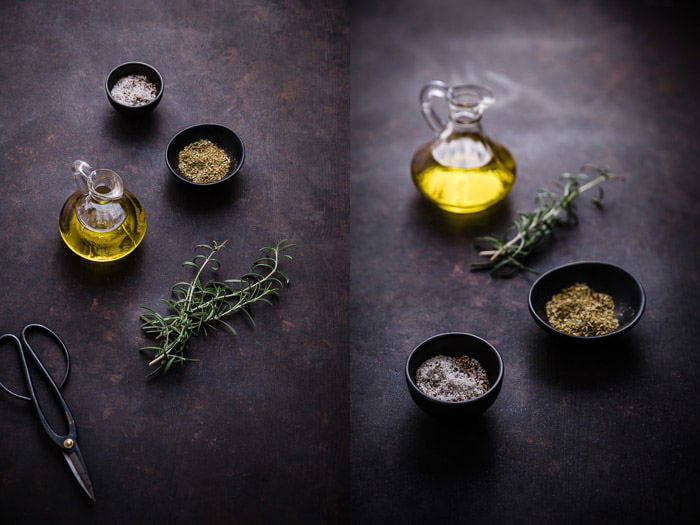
pixel 462 170
pixel 101 221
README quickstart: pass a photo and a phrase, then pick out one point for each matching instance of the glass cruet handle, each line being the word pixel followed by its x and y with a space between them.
pixel 81 172
pixel 433 89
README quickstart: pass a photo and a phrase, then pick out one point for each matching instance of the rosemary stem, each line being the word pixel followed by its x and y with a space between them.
pixel 551 214
pixel 237 293
pixel 238 306
pixel 188 299
pixel 161 356
pixel 198 305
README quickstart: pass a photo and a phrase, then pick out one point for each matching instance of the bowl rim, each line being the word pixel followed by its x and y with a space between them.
pixel 622 329
pixel 216 124
pixel 147 66
pixel 491 388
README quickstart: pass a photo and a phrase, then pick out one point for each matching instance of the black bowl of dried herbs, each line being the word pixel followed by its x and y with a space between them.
pixel 134 88
pixel 205 154
pixel 454 375
pixel 587 301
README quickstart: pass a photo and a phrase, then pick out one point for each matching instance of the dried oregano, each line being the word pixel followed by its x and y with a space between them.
pixel 203 162
pixel 578 310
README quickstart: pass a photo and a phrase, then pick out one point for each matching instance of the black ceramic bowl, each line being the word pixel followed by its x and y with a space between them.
pixel 219 135
pixel 454 345
pixel 134 68
pixel 625 290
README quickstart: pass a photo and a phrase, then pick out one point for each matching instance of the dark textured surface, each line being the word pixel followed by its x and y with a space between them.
pixel 576 435
pixel 259 428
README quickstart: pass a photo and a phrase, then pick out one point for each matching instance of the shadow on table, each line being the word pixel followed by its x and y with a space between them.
pixel 206 199
pixel 93 274
pixel 583 364
pixel 450 450
pixel 140 130
pixel 451 225
pixel 177 375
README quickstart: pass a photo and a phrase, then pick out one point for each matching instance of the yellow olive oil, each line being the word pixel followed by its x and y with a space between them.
pixel 103 241
pixel 465 174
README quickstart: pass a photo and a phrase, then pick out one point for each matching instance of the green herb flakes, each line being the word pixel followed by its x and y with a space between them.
pixel 203 162
pixel 578 310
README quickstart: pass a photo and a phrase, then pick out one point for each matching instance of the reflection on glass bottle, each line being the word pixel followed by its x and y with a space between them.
pixel 462 170
pixel 101 221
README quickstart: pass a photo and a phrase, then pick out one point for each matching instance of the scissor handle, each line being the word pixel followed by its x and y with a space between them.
pixel 19 351
pixel 18 344
pixel 57 340
pixel 64 441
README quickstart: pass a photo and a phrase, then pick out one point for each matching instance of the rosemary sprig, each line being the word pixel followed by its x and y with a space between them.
pixel 198 305
pixel 506 256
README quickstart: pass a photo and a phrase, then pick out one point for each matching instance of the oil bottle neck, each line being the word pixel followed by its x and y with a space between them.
pixel 100 210
pixel 100 185
pixel 461 126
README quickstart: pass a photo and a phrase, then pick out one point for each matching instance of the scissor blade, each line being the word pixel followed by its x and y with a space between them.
pixel 77 467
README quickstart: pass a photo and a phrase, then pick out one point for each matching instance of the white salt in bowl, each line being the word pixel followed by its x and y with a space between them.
pixel 134 68
pixel 456 344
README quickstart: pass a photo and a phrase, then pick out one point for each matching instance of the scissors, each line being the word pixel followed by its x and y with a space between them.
pixel 68 443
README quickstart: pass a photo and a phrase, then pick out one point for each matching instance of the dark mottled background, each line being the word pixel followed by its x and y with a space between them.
pixel 259 429
pixel 606 435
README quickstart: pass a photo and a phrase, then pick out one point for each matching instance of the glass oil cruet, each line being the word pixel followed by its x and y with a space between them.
pixel 101 221
pixel 461 170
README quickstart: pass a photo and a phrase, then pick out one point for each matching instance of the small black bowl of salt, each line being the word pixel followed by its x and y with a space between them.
pixel 134 88
pixel 454 375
